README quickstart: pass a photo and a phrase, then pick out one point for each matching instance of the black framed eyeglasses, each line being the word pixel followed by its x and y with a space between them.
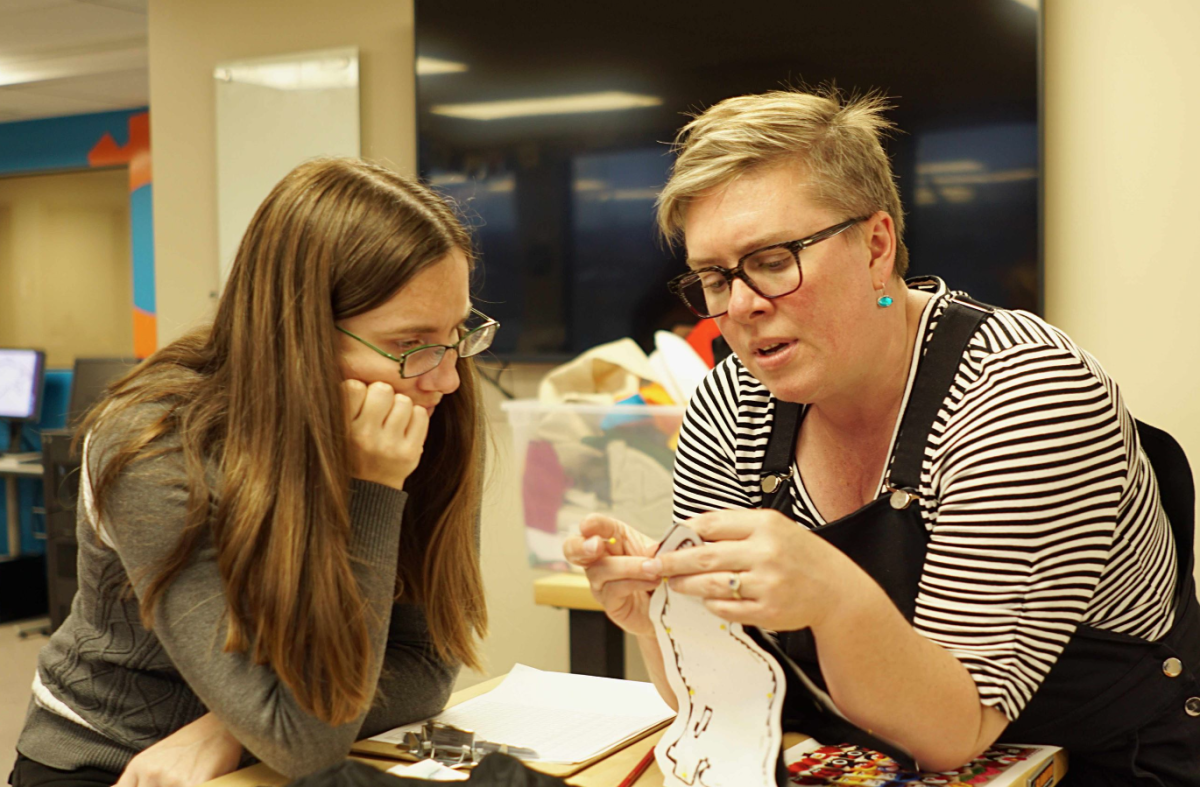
pixel 424 359
pixel 772 272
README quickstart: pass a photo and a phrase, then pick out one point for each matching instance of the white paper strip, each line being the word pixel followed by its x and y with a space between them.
pixel 730 692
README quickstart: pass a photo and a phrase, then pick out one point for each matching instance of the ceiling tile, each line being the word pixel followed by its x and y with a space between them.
pixel 131 88
pixel 28 104
pixel 53 26
pixel 136 6
pixel 13 6
pixel 79 54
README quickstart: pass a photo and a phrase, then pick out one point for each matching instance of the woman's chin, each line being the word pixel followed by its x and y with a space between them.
pixel 790 393
pixel 791 382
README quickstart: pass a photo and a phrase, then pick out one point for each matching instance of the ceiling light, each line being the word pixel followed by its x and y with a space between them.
pixel 635 194
pixel 433 65
pixel 22 71
pixel 550 105
pixel 955 167
pixel 1003 176
pixel 957 194
pixel 448 179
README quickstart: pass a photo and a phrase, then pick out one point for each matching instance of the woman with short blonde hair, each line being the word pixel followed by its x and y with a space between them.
pixel 942 511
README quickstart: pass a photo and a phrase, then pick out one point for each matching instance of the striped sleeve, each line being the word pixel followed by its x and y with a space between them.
pixel 1029 468
pixel 706 476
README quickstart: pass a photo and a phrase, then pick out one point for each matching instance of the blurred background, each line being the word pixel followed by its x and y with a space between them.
pixel 552 137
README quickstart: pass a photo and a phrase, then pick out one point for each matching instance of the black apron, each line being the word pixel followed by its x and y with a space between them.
pixel 1126 710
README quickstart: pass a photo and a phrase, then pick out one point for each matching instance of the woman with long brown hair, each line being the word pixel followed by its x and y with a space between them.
pixel 278 513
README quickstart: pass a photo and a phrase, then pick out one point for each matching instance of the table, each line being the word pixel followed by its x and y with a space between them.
pixel 13 467
pixel 604 773
pixel 597 644
pixel 607 772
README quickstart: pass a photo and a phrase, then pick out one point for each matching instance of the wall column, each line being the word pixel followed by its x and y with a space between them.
pixel 187 40
pixel 1122 171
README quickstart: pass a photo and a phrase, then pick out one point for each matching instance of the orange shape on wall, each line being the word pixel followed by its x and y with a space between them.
pixel 135 153
pixel 145 334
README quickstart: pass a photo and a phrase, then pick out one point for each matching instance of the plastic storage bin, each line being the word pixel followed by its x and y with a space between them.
pixel 575 459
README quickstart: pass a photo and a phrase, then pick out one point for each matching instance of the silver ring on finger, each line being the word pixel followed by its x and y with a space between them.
pixel 735 585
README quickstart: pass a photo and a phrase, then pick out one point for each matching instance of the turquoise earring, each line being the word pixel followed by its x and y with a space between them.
pixel 884 301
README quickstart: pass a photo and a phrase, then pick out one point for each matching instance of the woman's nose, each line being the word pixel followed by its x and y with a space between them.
pixel 744 302
pixel 443 378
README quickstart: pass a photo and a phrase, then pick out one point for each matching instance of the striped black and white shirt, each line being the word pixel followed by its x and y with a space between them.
pixel 1042 509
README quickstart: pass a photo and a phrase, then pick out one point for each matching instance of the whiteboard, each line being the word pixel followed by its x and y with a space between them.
pixel 272 114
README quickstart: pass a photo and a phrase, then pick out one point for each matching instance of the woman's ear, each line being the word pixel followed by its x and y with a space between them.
pixel 880 233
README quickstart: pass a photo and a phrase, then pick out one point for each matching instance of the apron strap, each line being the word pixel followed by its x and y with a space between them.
pixel 935 373
pixel 781 452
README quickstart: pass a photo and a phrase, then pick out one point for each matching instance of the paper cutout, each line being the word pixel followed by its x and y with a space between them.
pixel 730 692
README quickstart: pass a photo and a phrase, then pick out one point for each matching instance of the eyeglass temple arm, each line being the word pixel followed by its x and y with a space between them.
pixel 836 229
pixel 384 353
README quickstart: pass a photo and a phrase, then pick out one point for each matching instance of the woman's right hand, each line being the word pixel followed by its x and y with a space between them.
pixel 612 554
pixel 192 755
pixel 387 433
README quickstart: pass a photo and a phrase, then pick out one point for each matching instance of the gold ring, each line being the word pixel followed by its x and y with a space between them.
pixel 735 585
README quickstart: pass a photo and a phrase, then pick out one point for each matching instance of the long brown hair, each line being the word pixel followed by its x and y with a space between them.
pixel 257 396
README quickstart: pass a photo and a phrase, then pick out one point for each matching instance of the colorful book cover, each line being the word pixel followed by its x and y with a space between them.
pixel 1003 765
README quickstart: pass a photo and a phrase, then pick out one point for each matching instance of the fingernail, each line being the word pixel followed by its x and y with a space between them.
pixel 592 546
pixel 652 567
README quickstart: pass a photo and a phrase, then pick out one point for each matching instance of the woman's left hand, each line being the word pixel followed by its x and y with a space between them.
pixel 787 577
pixel 191 755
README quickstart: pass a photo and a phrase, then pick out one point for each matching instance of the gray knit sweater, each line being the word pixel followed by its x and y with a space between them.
pixel 134 687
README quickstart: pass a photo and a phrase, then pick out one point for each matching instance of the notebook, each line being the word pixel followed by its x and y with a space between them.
pixel 569 720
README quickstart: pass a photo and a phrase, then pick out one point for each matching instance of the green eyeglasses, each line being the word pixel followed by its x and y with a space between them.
pixel 424 359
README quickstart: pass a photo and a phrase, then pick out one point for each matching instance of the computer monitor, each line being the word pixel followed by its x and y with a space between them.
pixel 21 376
pixel 22 372
pixel 90 381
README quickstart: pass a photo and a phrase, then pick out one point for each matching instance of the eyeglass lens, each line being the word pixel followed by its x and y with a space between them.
pixel 771 272
pixel 427 358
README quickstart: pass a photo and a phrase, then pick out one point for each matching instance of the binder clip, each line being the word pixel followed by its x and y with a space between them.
pixel 456 747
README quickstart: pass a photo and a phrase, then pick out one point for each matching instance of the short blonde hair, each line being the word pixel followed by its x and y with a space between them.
pixel 837 138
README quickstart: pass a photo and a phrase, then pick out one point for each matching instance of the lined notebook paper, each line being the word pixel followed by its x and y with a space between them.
pixel 564 718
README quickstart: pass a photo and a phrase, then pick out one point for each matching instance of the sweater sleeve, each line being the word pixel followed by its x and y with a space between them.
pixel 415 684
pixel 144 520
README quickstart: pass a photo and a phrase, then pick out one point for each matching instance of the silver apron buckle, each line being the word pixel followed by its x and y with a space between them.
pixel 772 481
pixel 901 498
